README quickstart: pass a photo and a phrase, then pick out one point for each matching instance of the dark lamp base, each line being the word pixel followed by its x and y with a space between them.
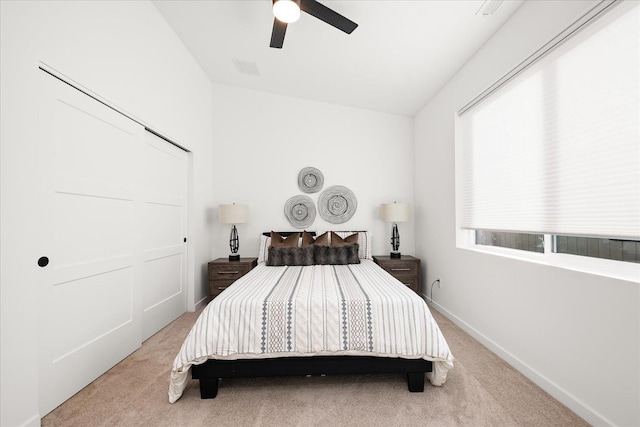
pixel 395 255
pixel 235 257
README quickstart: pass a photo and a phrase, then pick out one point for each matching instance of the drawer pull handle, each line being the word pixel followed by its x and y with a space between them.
pixel 222 288
pixel 228 272
pixel 400 269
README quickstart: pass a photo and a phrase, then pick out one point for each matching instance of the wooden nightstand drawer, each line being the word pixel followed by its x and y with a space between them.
pixel 228 271
pixel 222 273
pixel 217 286
pixel 410 282
pixel 401 268
pixel 406 270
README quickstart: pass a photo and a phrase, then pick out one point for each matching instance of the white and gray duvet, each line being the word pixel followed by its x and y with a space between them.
pixel 355 309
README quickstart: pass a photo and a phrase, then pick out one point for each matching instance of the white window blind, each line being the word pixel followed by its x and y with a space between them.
pixel 556 150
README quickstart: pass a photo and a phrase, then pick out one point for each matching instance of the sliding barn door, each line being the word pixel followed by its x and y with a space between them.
pixel 164 296
pixel 112 218
pixel 89 301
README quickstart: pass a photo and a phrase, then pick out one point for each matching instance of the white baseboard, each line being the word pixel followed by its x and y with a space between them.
pixel 200 304
pixel 32 422
pixel 566 398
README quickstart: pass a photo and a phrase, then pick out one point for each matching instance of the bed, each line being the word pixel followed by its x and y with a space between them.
pixel 313 319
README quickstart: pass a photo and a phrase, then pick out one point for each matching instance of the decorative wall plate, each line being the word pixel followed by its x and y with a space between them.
pixel 310 180
pixel 337 204
pixel 300 211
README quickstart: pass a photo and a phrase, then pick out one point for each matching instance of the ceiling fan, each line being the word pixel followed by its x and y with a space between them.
pixel 288 11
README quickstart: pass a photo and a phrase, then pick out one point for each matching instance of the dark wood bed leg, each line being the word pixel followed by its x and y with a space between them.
pixel 415 382
pixel 208 388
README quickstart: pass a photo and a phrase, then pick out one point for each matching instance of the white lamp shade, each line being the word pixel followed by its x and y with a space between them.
pixel 395 212
pixel 233 214
pixel 286 11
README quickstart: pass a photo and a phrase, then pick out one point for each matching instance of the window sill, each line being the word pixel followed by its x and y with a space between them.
pixel 620 270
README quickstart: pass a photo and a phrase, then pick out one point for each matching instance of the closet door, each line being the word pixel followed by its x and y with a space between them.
pixel 90 294
pixel 164 296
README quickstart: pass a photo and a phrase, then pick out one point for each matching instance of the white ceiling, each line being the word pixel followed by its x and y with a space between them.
pixel 399 56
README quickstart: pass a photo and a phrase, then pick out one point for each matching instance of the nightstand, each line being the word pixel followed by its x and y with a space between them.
pixel 405 269
pixel 223 273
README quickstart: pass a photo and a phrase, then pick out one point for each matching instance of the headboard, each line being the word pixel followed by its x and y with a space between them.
pixel 287 233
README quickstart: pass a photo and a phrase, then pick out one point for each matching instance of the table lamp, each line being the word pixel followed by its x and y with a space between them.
pixel 395 213
pixel 233 214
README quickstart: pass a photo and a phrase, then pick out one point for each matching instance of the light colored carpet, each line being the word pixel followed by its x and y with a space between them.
pixel 481 390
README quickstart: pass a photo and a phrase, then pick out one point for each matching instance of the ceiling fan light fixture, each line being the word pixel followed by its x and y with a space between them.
pixel 286 10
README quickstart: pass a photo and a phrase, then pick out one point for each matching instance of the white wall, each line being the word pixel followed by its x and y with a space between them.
pixel 126 53
pixel 266 139
pixel 575 334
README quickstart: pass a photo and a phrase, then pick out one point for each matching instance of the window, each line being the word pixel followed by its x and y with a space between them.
pixel 553 149
pixel 521 241
pixel 614 249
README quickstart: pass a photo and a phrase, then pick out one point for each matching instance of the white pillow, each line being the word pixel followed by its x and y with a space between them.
pixel 263 251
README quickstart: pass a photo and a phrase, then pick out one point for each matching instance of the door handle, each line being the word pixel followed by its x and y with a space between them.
pixel 43 261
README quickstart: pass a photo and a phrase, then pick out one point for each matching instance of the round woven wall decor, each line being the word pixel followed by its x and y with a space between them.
pixel 300 211
pixel 337 204
pixel 310 180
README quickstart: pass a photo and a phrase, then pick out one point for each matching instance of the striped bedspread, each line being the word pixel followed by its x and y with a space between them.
pixel 356 309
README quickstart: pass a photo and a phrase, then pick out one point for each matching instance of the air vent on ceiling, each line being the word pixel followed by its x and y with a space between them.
pixel 489 7
pixel 246 67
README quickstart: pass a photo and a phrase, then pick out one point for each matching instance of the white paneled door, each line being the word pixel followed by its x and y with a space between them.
pixel 113 228
pixel 165 201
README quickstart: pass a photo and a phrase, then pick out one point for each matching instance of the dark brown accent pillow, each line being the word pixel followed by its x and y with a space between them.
pixel 339 241
pixel 277 241
pixel 323 239
pixel 308 240
pixel 290 256
pixel 336 255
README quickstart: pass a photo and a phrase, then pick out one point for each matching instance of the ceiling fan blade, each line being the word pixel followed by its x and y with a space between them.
pixel 323 13
pixel 277 34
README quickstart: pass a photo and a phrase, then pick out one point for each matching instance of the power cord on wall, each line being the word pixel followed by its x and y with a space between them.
pixel 430 297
